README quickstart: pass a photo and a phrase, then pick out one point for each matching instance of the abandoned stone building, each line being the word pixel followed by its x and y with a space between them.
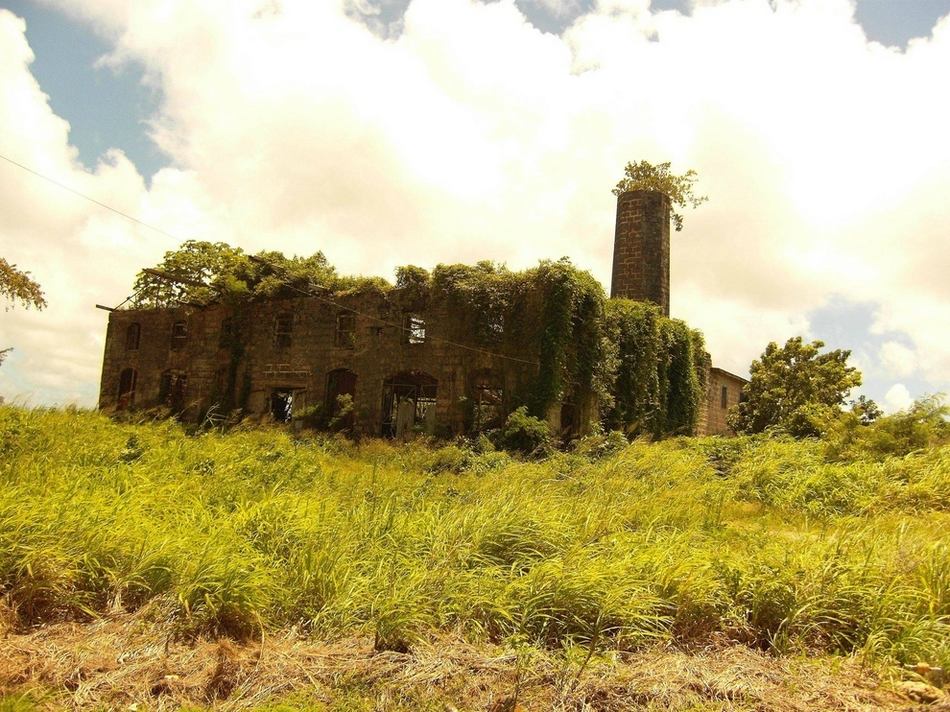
pixel 366 360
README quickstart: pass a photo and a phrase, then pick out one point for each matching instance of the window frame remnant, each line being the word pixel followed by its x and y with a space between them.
pixel 125 393
pixel 488 401
pixel 414 329
pixel 179 336
pixel 284 330
pixel 345 335
pixel 420 388
pixel 281 404
pixel 133 336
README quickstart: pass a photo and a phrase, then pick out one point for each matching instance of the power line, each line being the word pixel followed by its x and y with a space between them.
pixel 309 293
pixel 89 198
pixel 403 327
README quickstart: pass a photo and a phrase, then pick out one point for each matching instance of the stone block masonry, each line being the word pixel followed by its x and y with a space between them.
pixel 641 268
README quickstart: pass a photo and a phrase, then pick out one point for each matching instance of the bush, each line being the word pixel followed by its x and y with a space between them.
pixel 525 434
pixel 598 446
pixel 922 425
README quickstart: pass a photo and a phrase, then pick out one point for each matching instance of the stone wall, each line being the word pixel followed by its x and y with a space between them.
pixel 293 345
pixel 722 393
pixel 641 266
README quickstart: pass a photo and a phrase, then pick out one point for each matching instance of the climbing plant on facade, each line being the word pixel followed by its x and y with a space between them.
pixel 641 369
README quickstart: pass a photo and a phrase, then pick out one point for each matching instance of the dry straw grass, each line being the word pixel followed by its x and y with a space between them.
pixel 125 662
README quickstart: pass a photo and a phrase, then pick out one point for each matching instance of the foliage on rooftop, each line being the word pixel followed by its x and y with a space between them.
pixel 642 366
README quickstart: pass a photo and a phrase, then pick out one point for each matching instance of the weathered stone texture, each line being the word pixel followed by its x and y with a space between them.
pixel 295 346
pixel 722 393
pixel 262 366
pixel 641 267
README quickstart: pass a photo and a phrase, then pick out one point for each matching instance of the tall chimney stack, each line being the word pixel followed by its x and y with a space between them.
pixel 642 248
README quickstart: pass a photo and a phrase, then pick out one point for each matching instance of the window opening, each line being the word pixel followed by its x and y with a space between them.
pixel 283 330
pixel 282 404
pixel 409 401
pixel 345 330
pixel 493 328
pixel 225 336
pixel 132 334
pixel 570 421
pixel 488 402
pixel 415 332
pixel 126 395
pixel 724 397
pixel 179 335
pixel 172 389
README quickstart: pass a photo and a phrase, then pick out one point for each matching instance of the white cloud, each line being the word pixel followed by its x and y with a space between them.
pixel 473 135
pixel 898 359
pixel 898 398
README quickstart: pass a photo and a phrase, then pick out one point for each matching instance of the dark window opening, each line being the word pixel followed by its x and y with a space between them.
pixel 570 421
pixel 282 404
pixel 415 331
pixel 132 335
pixel 724 397
pixel 487 401
pixel 492 329
pixel 226 335
pixel 341 393
pixel 345 330
pixel 409 403
pixel 179 335
pixel 172 389
pixel 283 330
pixel 126 395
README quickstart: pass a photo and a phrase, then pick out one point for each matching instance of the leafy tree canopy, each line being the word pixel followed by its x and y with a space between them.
pixel 643 175
pixel 17 286
pixel 201 272
pixel 796 388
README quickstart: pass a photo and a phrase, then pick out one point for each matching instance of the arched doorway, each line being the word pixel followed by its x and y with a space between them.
pixel 341 396
pixel 408 403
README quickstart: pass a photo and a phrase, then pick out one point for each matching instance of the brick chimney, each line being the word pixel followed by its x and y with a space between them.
pixel 642 248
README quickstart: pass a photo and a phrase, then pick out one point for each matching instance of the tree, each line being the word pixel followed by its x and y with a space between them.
pixel 679 189
pixel 795 388
pixel 865 410
pixel 201 272
pixel 17 286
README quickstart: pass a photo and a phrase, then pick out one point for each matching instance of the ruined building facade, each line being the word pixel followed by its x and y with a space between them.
pixel 397 370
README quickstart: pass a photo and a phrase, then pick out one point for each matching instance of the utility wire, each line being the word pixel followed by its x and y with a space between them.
pixel 89 198
pixel 309 293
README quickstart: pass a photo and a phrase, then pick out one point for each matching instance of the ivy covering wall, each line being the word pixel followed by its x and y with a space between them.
pixel 644 371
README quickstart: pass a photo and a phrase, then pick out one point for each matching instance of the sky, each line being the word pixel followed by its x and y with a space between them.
pixel 388 132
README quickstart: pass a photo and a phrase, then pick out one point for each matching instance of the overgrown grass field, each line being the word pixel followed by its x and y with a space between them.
pixel 760 541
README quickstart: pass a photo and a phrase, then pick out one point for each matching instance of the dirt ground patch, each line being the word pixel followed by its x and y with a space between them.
pixel 126 662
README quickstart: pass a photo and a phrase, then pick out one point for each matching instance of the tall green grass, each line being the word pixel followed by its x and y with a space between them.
pixel 755 540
